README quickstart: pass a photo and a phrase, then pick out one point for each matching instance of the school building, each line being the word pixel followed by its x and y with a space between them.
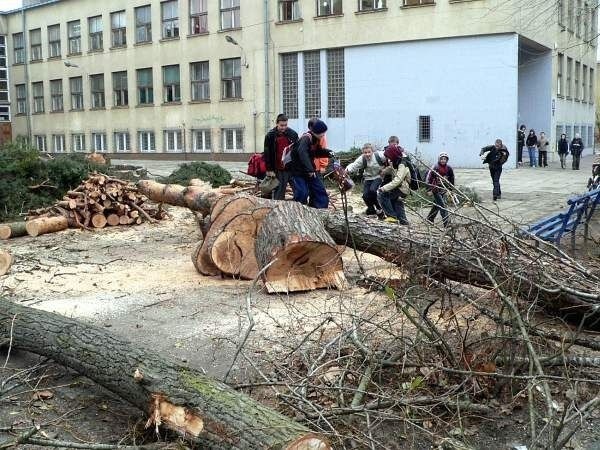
pixel 205 79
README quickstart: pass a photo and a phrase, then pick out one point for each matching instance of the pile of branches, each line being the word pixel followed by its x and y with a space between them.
pixel 102 200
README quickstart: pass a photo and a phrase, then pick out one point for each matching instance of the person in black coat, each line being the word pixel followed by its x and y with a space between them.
pixel 576 150
pixel 532 142
pixel 563 149
pixel 275 142
pixel 520 144
pixel 495 156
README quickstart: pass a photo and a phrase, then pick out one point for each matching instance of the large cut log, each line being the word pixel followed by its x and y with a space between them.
pixel 301 254
pixel 99 220
pixel 6 261
pixel 12 230
pixel 45 225
pixel 204 410
pixel 196 198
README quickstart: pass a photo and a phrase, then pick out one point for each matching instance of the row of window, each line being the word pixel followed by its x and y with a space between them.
pixel 173 141
pixel 231 88
pixel 585 131
pixel 579 82
pixel 336 102
pixel 4 109
pixel 579 17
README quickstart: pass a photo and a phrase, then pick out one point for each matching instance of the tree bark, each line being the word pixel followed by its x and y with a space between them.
pixel 45 225
pixel 12 230
pixel 206 411
pixel 305 256
pixel 6 261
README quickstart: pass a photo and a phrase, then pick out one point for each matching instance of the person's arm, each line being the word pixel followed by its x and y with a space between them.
pixel 356 165
pixel 304 156
pixel 398 179
pixel 269 156
pixel 451 176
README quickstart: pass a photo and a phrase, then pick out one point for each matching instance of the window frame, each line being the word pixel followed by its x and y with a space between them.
pixel 424 129
pixel 76 96
pixel 417 3
pixel 201 85
pixel 576 77
pixel 97 95
pixel 80 138
pixel 327 8
pixel 146 26
pixel 174 89
pixel 35 48
pixel 177 139
pixel 119 138
pixel 74 40
pixel 56 98
pixel 19 52
pixel 121 95
pixel 236 137
pixel 569 90
pixel 61 140
pixel 559 75
pixel 147 89
pixel 362 8
pixel 231 9
pixel 289 10
pixel 234 82
pixel 206 140
pixel 336 83
pixel 21 101
pixel 172 23
pixel 150 138
pixel 97 35
pixel 118 35
pixel 102 137
pixel 54 46
pixel 37 140
pixel 198 20
pixel 38 100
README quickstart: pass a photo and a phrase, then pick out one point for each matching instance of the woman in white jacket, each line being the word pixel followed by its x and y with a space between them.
pixel 370 163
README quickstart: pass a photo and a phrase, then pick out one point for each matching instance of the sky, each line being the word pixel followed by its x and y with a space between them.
pixel 7 5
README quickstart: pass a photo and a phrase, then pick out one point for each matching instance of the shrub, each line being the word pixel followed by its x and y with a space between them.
pixel 211 173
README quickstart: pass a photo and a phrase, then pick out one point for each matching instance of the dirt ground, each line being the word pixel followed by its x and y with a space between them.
pixel 139 282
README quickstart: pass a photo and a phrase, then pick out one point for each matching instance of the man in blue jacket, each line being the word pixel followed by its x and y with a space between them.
pixel 305 181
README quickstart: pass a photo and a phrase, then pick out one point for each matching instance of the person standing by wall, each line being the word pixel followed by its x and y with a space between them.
pixel 305 182
pixel 439 179
pixel 563 150
pixel 370 163
pixel 576 150
pixel 531 143
pixel 276 140
pixel 520 144
pixel 542 145
pixel 495 156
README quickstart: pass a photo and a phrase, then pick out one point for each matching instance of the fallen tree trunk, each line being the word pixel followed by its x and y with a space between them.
pixel 299 253
pixel 6 261
pixel 45 225
pixel 206 411
pixel 12 230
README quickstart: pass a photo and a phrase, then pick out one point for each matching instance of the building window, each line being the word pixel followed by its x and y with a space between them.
pixel 576 130
pixel 120 91
pixel 97 89
pixel 584 84
pixel 173 140
pixel 336 103
pixel 578 18
pixel 289 84
pixel 143 24
pixel 118 29
pixel 74 32
pixel 559 75
pixel 201 140
pixel 591 92
pixel 19 48
pixel 146 141
pixel 199 80
pixel 590 136
pixel 95 30
pixel 569 132
pixel 289 10
pixel 54 41
pixel 424 128
pixel 99 142
pixel 569 77
pixel 35 40
pixel 230 14
pixel 58 143
pixel 371 5
pixel 418 2
pixel 594 38
pixel 233 139
pixel 170 19
pixel 5 113
pixel 21 96
pixel 312 84
pixel 577 92
pixel 56 95
pixel 171 88
pixel 329 7
pixel 144 87
pixel 40 142
pixel 584 19
pixel 570 11
pixel 231 78
pixel 198 17
pixel 561 18
pixel 76 87
pixel 122 141
pixel 78 142
pixel 38 97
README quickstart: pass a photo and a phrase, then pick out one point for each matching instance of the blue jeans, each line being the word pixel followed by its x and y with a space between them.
pixel 439 204
pixel 370 194
pixel 532 156
pixel 305 187
pixel 393 205
pixel 495 173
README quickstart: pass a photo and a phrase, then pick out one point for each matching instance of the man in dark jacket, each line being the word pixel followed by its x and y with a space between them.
pixel 576 150
pixel 276 140
pixel 563 149
pixel 520 144
pixel 495 156
pixel 305 181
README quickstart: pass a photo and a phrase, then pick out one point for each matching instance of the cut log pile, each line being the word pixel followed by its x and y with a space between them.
pixel 98 202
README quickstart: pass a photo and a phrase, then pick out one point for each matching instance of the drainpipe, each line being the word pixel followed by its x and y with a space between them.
pixel 26 73
pixel 266 52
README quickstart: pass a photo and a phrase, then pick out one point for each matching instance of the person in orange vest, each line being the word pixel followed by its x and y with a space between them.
pixel 321 163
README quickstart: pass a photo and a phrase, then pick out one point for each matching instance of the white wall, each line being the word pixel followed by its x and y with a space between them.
pixel 535 92
pixel 469 87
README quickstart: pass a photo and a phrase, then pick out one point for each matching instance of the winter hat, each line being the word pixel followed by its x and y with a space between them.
pixel 393 152
pixel 443 155
pixel 318 127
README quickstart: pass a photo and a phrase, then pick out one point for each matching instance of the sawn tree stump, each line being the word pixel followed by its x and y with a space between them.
pixel 12 230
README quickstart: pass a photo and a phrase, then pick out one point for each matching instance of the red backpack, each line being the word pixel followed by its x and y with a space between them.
pixel 257 166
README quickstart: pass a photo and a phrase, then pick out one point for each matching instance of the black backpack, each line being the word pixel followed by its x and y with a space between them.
pixel 416 180
pixel 380 161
